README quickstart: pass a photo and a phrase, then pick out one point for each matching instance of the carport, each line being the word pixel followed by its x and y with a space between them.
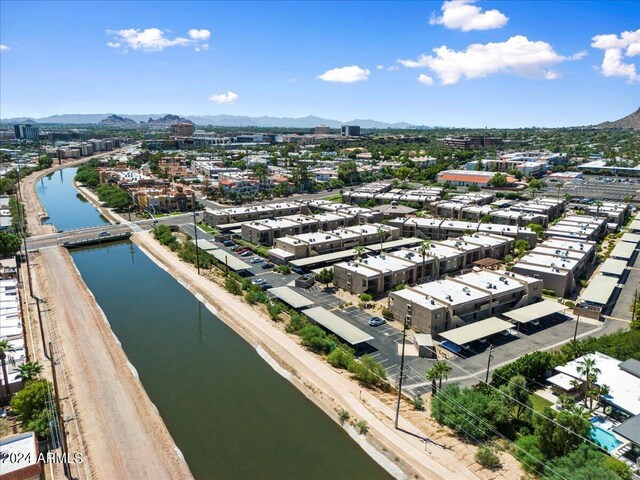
pixel 613 267
pixel 205 245
pixel 623 251
pixel 338 326
pixel 291 297
pixel 402 242
pixel 475 331
pixel 600 290
pixel 535 311
pixel 327 258
pixel 227 258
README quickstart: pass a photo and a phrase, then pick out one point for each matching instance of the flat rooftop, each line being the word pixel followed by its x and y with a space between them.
pixel 340 327
pixel 476 331
pixel 490 281
pixel 291 297
pixel 623 250
pixel 450 292
pixel 613 266
pixel 600 290
pixel 19 452
pixel 549 261
pixel 535 311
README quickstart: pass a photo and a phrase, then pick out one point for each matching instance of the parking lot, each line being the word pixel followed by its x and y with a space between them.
pixel 468 367
pixel 591 187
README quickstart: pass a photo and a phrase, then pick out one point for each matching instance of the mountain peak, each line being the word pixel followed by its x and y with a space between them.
pixel 631 121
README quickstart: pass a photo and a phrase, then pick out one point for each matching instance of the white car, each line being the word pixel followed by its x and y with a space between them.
pixel 258 281
pixel 256 260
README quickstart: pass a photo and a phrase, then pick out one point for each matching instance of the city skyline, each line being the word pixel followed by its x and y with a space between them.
pixel 466 64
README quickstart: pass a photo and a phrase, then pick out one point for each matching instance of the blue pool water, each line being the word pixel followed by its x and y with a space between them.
pixel 602 437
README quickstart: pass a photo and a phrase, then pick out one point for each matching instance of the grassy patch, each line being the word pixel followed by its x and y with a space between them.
pixel 206 228
pixel 337 198
pixel 539 403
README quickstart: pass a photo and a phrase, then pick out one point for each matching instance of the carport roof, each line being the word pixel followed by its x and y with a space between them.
pixel 234 263
pixel 600 290
pixel 476 331
pixel 205 245
pixel 291 297
pixel 623 250
pixel 403 242
pixel 630 429
pixel 613 266
pixel 535 311
pixel 340 327
pixel 326 258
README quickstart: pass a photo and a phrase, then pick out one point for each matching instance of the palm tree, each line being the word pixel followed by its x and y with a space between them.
pixel 588 369
pixel 359 251
pixel 382 234
pixel 5 347
pixel 29 371
pixel 439 371
pixel 424 248
pixel 598 204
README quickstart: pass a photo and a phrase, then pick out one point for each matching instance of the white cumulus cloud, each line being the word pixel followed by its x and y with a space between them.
pixel 229 97
pixel 616 50
pixel 154 39
pixel 425 79
pixel 350 74
pixel 199 34
pixel 518 56
pixel 3 47
pixel 464 15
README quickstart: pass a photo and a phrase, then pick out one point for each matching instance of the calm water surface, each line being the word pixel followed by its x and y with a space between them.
pixel 229 413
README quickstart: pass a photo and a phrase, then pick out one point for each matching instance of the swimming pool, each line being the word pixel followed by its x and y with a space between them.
pixel 602 437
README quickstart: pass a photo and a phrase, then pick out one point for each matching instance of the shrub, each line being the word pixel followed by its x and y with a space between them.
pixel 284 269
pixel 486 457
pixel 340 358
pixel 621 469
pixel 343 415
pixel 387 313
pixel 418 403
pixel 532 366
pixel 368 372
pixel 233 286
pixel 251 297
pixel 362 427
pixel 314 338
pixel 297 323
pixel 529 454
pixel 30 404
pixel 274 310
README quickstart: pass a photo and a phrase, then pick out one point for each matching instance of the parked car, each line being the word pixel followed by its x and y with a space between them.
pixel 256 260
pixel 376 321
pixel 452 347
pixel 297 270
pixel 228 243
pixel 267 265
pixel 258 281
pixel 265 286
pixel 104 234
pixel 246 253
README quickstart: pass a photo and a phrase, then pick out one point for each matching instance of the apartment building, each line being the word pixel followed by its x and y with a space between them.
pixel 471 143
pixel 437 229
pixel 438 306
pixel 164 199
pixel 558 262
pixel 579 227
pixel 182 129
pixel 319 243
pixel 615 213
pixel 264 232
pixel 375 274
pixel 245 214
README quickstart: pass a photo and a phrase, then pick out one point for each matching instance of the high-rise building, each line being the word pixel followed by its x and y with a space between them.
pixel 322 130
pixel 350 130
pixel 26 131
pixel 182 129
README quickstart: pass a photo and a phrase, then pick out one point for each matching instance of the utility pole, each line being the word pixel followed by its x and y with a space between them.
pixel 486 379
pixel 195 231
pixel 633 313
pixel 44 342
pixel 63 432
pixel 575 331
pixel 404 335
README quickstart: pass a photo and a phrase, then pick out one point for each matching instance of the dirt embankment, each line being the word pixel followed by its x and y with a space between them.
pixel 316 379
pixel 123 433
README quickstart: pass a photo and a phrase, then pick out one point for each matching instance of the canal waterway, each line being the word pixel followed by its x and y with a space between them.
pixel 230 414
pixel 67 209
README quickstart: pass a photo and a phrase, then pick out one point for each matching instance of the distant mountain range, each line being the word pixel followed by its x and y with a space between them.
pixel 111 119
pixel 630 121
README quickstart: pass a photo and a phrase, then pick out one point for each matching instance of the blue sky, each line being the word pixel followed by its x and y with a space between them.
pixel 533 63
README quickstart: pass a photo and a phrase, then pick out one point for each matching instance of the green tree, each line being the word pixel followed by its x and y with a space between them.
pixel 439 371
pixel 583 463
pixel 343 416
pixel 29 371
pixel 538 229
pixel 588 369
pixel 365 298
pixel 486 219
pixel 9 244
pixel 30 404
pixel 363 427
pixel 325 276
pixel 233 286
pixel 560 432
pixel 517 397
pixel 5 348
pixel 348 172
pixel 521 246
pixel 499 180
pixel 422 250
pixel 368 372
pixel 359 251
pixel 340 358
